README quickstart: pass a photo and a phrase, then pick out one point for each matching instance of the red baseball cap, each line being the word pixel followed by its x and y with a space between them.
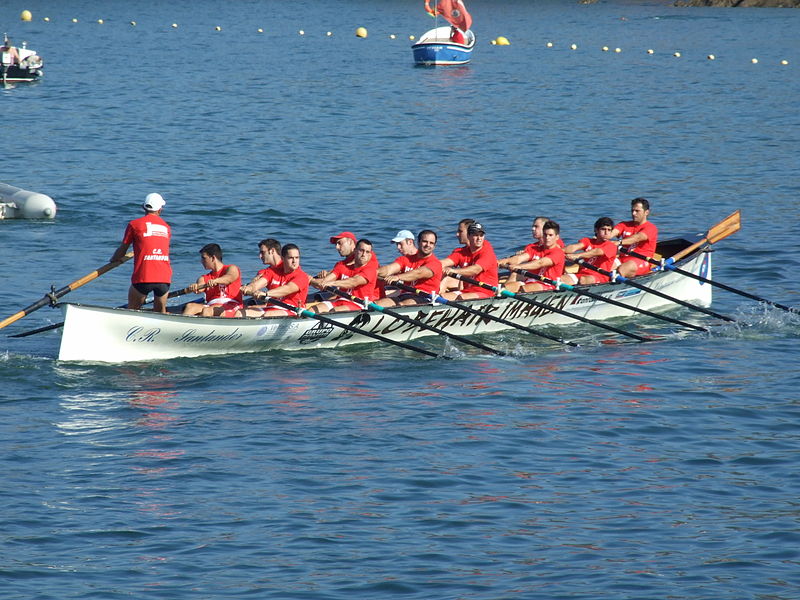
pixel 344 234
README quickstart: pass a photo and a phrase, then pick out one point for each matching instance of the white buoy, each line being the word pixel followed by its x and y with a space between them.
pixel 604 48
pixel 677 54
pixel 301 32
pixel 74 20
pixel 754 61
pixel 784 62
pixel 649 50
pixel 392 36
pixel 329 34
pixel 17 203
pixel 133 23
pixel 100 21
pixel 174 25
pixel 46 19
pixel 260 30
pixel 549 44
pixel 617 50
pixel 711 57
pixel 574 46
pixel 217 28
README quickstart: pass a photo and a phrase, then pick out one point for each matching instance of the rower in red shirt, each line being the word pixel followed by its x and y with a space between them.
pixel 269 251
pixel 550 263
pixel 638 234
pixel 357 274
pixel 222 284
pixel 287 282
pixel 420 269
pixel 476 260
pixel 532 251
pixel 599 251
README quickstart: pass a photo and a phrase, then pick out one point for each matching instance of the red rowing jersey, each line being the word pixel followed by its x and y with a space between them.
pixel 409 263
pixel 628 228
pixel 604 261
pixel 150 237
pixel 230 290
pixel 366 291
pixel 300 279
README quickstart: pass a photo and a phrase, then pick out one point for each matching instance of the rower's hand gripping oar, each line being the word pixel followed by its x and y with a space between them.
pixel 436 298
pixel 307 313
pixel 175 294
pixel 56 294
pixel 667 264
pixel 565 286
pixel 544 306
pixel 415 322
pixel 616 277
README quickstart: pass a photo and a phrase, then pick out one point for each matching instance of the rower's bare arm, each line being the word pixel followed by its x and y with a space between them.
pixel 322 279
pixel 413 275
pixel 256 284
pixel 537 264
pixel 119 253
pixel 351 282
pixel 573 248
pixel 469 271
pixel 283 290
pixel 389 269
pixel 588 254
pixel 636 238
pixel 231 275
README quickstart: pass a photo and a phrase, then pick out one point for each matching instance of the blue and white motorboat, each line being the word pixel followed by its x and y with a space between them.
pixel 436 48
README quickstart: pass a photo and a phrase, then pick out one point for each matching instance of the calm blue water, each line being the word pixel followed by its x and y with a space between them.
pixel 619 471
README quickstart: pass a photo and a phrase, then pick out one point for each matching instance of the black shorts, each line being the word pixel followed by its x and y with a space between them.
pixel 158 289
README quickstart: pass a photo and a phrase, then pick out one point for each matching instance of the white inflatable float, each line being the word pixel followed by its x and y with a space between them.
pixel 16 203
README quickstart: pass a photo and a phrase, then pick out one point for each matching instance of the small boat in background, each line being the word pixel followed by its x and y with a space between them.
pixel 448 45
pixel 19 64
pixel 435 48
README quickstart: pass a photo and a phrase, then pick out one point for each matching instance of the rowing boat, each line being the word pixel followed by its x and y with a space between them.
pixel 101 334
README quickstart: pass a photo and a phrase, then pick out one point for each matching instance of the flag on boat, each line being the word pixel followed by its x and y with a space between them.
pixel 453 11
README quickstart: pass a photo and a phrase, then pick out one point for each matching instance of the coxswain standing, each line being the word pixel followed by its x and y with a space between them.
pixel 150 236
pixel 222 285
pixel 421 270
pixel 638 234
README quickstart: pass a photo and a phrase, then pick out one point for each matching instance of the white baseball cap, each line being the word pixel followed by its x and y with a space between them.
pixel 153 202
pixel 405 234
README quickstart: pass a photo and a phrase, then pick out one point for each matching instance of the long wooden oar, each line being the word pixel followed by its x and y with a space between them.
pixel 174 294
pixel 55 294
pixel 668 265
pixel 458 305
pixel 345 326
pixel 729 225
pixel 559 285
pixel 416 322
pixel 620 279
pixel 547 307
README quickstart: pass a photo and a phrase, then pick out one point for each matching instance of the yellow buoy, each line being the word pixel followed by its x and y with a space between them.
pixel 502 41
pixel 412 38
pixel 361 32
pixel 25 15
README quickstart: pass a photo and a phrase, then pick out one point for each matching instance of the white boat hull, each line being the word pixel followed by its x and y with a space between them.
pixel 99 334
